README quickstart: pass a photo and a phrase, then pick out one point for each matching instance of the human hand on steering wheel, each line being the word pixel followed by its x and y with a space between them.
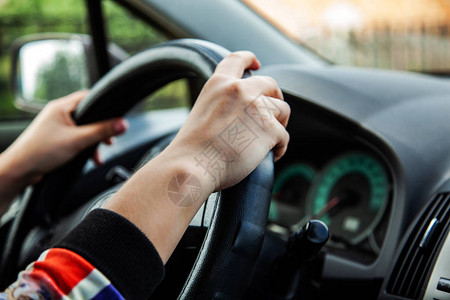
pixel 233 125
pixel 51 140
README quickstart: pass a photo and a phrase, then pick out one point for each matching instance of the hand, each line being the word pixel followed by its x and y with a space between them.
pixel 51 140
pixel 234 123
pixel 231 128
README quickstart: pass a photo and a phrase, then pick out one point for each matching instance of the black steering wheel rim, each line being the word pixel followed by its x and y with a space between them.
pixel 225 264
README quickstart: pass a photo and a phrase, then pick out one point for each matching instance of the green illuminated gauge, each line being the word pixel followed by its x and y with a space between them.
pixel 289 194
pixel 350 197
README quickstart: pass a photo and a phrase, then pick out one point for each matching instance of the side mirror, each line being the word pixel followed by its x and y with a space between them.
pixel 50 66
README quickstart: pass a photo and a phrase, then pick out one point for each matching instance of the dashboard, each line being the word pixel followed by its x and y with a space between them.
pixel 368 154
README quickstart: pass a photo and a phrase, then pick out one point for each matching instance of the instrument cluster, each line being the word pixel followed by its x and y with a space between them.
pixel 339 179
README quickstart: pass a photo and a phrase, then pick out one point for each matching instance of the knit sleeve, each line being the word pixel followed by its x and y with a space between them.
pixel 119 250
pixel 61 274
pixel 104 257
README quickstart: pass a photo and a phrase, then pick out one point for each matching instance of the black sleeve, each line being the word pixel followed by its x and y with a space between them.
pixel 118 249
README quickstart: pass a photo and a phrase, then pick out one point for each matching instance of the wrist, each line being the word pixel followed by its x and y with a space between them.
pixel 183 159
pixel 210 161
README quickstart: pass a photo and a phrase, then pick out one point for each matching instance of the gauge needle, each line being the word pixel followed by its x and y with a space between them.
pixel 329 206
pixel 326 209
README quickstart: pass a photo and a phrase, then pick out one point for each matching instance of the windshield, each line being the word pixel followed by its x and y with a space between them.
pixel 390 34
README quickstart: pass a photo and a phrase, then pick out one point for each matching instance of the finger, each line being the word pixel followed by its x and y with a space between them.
pixel 109 141
pixel 90 134
pixel 236 63
pixel 282 142
pixel 283 111
pixel 96 158
pixel 265 109
pixel 267 85
pixel 71 101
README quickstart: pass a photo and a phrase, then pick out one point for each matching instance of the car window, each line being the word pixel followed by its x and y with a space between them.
pixel 128 31
pixel 134 35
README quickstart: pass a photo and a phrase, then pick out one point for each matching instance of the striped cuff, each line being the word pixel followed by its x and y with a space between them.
pixel 62 274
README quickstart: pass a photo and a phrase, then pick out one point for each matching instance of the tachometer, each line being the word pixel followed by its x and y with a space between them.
pixel 350 196
pixel 289 194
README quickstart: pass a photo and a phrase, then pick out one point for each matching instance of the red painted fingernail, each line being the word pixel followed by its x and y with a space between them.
pixel 120 126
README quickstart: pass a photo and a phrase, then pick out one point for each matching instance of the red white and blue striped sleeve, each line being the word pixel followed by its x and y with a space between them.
pixel 62 274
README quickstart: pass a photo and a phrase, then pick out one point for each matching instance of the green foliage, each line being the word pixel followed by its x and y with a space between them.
pixel 174 94
pixel 23 17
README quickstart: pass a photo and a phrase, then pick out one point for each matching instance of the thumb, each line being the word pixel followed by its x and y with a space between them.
pixel 96 132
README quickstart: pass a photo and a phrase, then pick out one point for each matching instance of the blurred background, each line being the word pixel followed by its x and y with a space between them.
pixel 392 34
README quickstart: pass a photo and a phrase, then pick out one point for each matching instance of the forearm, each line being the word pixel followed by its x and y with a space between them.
pixel 14 177
pixel 138 229
pixel 162 198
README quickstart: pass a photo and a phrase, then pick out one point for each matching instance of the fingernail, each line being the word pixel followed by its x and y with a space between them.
pixel 110 141
pixel 120 126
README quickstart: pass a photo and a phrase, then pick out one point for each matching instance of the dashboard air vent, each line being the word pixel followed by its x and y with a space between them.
pixel 416 257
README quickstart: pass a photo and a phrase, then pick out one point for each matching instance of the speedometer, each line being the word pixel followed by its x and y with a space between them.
pixel 350 196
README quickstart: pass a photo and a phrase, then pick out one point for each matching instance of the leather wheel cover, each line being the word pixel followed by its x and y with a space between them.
pixel 225 264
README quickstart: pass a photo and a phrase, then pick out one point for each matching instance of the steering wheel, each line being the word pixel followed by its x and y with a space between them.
pixel 225 263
